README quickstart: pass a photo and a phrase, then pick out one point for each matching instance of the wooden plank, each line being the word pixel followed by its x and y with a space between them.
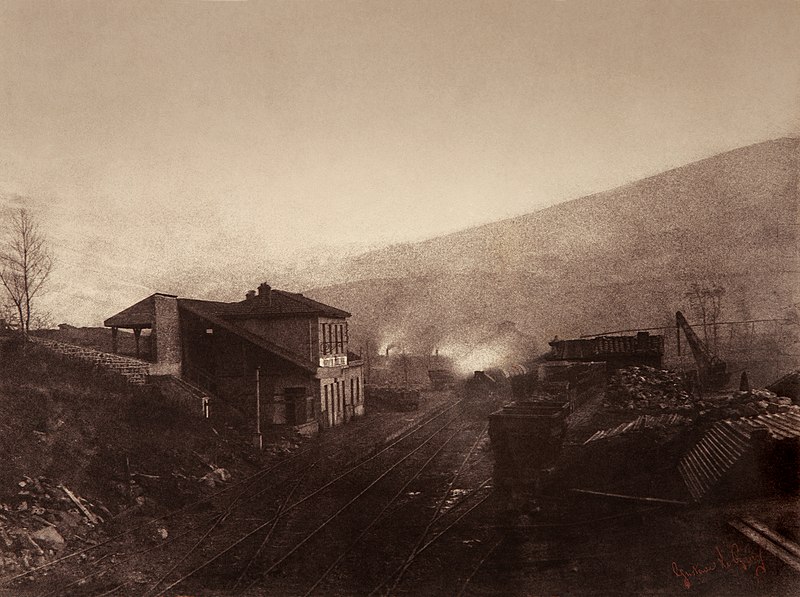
pixel 765 543
pixel 91 517
pixel 784 542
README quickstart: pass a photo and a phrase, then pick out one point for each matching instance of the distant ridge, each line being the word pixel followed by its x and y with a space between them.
pixel 622 257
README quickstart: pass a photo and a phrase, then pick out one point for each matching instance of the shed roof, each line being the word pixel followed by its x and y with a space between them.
pixel 138 315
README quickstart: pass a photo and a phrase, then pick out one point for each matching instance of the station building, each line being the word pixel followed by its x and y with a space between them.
pixel 296 347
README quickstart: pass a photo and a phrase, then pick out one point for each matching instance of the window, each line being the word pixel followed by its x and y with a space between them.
pixel 333 339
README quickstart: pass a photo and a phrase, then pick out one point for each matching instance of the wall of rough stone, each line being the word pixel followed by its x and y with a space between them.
pixel 133 370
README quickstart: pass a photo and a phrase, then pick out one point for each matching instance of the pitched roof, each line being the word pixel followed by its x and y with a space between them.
pixel 279 303
pixel 208 310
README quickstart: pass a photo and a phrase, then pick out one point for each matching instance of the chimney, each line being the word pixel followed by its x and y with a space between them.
pixel 250 295
pixel 265 293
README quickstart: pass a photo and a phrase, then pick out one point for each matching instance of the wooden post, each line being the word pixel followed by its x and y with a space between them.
pixel 114 340
pixel 136 333
pixel 257 439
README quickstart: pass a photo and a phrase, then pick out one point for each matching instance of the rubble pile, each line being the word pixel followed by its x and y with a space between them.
pixel 281 447
pixel 36 523
pixel 648 388
pixel 745 404
pixel 216 476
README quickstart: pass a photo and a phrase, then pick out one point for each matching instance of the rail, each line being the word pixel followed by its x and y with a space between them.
pixel 293 506
pixel 244 491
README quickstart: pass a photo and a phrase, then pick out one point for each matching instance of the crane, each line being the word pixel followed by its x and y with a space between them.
pixel 712 371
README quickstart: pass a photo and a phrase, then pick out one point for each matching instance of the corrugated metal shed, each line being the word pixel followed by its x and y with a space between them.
pixel 728 442
pixel 788 385
pixel 780 425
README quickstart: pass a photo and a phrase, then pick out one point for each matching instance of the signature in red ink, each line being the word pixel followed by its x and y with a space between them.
pixel 732 559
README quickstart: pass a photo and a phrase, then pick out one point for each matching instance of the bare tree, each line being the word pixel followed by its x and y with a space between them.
pixel 25 263
pixel 706 303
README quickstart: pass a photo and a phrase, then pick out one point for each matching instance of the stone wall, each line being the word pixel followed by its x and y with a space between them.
pixel 133 370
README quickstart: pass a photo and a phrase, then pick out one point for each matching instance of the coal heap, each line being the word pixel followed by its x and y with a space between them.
pixel 649 390
pixel 638 388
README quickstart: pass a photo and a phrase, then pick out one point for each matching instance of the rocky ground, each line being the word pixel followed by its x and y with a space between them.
pixel 62 495
pixel 89 457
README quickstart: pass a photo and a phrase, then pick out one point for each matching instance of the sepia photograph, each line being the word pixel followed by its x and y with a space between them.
pixel 400 298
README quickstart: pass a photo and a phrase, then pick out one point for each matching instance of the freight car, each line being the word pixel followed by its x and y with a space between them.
pixel 513 381
pixel 526 438
pixel 578 380
pixel 441 379
pixel 392 398
pixel 572 382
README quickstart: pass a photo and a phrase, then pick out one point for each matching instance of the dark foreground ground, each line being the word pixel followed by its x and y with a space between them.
pixel 402 504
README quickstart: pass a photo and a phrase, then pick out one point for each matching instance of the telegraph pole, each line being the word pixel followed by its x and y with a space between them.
pixel 257 440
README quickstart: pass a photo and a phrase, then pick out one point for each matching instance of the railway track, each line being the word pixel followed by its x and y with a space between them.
pixel 211 537
pixel 396 577
pixel 303 535
pixel 111 545
pixel 409 518
pixel 308 526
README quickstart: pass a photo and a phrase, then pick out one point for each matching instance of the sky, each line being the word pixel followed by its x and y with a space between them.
pixel 170 139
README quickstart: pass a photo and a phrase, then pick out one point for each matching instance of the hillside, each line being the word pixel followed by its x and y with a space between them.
pixel 617 259
pixel 119 447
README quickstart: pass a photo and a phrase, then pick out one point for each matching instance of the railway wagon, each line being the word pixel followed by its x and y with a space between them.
pixel 441 379
pixel 526 438
pixel 567 381
pixel 398 399
pixel 513 381
pixel 577 380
